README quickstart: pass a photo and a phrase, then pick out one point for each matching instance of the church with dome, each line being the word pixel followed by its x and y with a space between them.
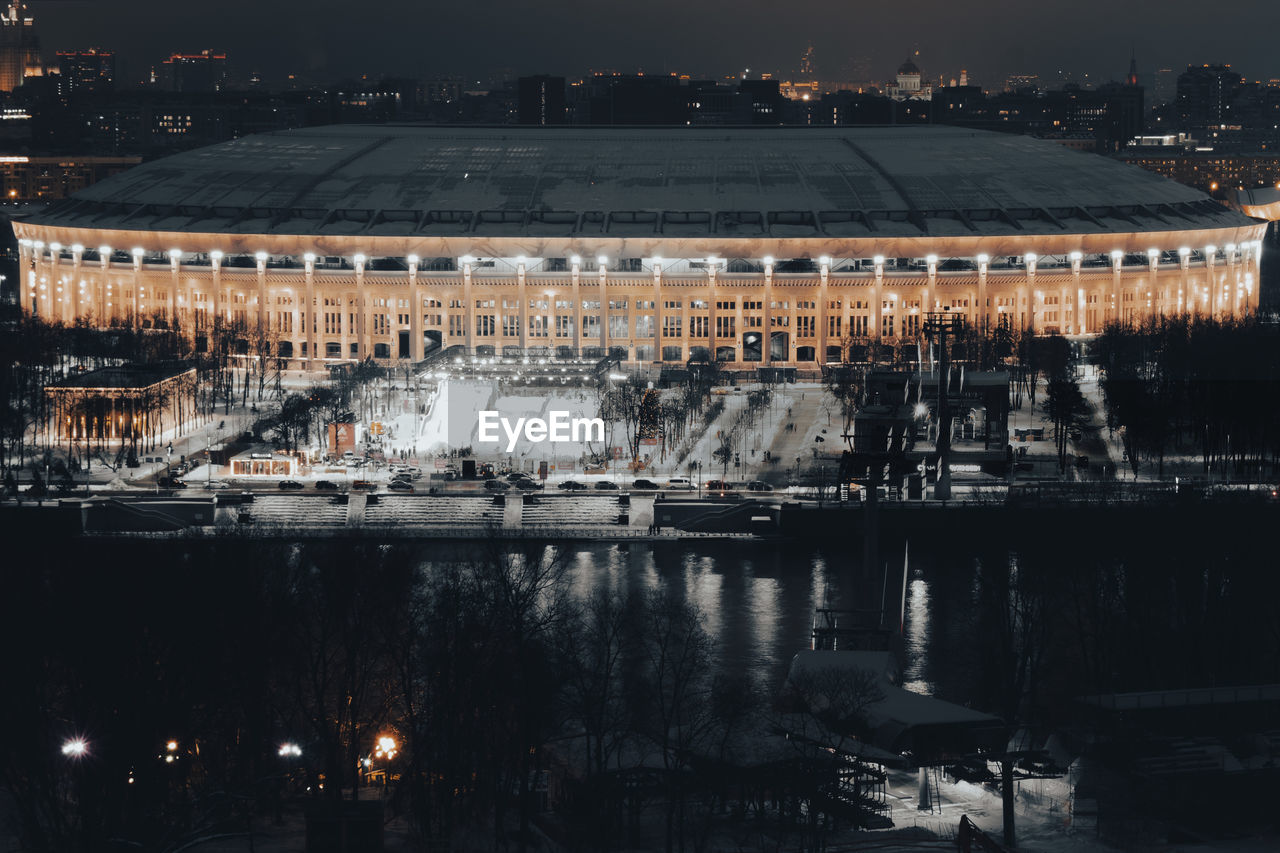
pixel 908 86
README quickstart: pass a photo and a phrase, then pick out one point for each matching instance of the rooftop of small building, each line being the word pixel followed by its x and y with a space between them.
pixel 131 376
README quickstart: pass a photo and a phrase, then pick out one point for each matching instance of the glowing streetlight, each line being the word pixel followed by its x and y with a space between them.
pixel 75 748
pixel 386 747
pixel 289 750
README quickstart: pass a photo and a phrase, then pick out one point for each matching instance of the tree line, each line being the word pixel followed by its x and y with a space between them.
pixel 1200 387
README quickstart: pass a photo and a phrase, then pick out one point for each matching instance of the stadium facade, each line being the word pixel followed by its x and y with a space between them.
pixel 751 246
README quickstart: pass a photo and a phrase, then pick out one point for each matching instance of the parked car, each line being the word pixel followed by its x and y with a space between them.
pixel 680 483
pixel 572 486
pixel 512 476
pixel 759 486
pixel 716 485
pixel 400 486
pixel 288 485
pixel 647 485
pixel 363 486
pixel 606 485
pixel 326 486
pixel 170 483
pixel 497 485
pixel 528 485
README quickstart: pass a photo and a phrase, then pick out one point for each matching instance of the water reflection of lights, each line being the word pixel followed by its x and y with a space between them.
pixel 917 630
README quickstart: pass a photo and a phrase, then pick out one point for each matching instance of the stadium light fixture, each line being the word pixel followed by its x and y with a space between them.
pixel 359 258
pixel 878 260
pixel 1077 256
pixel 260 257
pixel 984 258
pixel 768 260
pixel 413 260
pixel 215 255
pixel 309 257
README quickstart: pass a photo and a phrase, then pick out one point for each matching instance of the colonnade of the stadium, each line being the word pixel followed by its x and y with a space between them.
pixel 656 309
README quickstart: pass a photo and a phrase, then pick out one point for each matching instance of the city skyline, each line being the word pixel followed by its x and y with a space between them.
pixel 1000 38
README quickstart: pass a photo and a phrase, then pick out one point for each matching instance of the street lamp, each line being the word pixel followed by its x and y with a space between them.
pixel 75 748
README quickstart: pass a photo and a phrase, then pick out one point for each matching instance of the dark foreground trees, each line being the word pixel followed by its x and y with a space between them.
pixel 1206 388
pixel 484 670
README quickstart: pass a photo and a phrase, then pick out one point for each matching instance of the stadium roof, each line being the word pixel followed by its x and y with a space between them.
pixel 626 182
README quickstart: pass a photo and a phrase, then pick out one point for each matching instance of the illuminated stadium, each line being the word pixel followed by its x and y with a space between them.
pixel 753 247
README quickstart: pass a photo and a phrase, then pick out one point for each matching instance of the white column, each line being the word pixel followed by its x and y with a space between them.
pixel 363 310
pixel 931 298
pixel 657 310
pixel 602 262
pixel 820 317
pixel 984 311
pixel 261 258
pixel 575 276
pixel 104 304
pixel 1187 298
pixel 1116 308
pixel 310 309
pixel 1212 279
pixel 57 294
pixel 137 287
pixel 215 266
pixel 524 307
pixel 1035 304
pixel 766 343
pixel 469 306
pixel 175 264
pixel 77 257
pixel 415 312
pixel 1153 301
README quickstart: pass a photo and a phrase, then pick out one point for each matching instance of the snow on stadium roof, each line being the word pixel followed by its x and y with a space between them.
pixel 679 182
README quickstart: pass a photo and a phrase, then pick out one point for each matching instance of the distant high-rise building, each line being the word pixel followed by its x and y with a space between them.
pixel 806 63
pixel 1020 82
pixel 1206 97
pixel 91 70
pixel 540 100
pixel 205 71
pixel 1165 88
pixel 19 48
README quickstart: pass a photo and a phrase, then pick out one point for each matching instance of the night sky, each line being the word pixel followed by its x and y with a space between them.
pixel 327 39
